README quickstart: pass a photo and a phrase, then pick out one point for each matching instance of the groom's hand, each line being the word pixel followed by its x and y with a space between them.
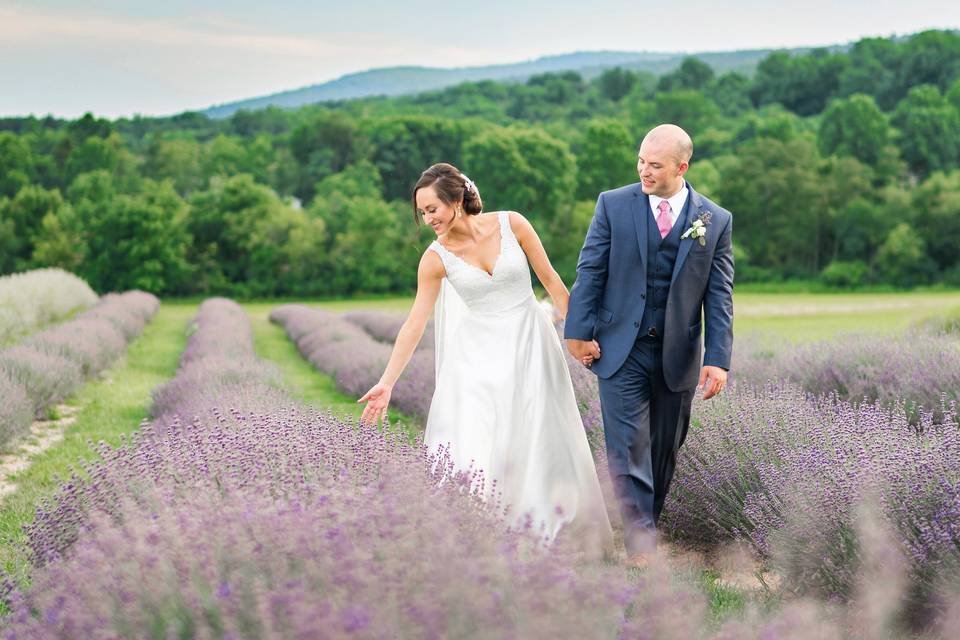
pixel 586 351
pixel 712 381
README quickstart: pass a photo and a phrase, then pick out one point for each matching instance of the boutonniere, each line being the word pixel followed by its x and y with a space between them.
pixel 698 229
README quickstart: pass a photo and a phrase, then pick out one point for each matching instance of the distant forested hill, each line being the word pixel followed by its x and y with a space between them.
pixel 395 81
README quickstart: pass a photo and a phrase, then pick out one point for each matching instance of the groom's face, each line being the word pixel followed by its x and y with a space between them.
pixel 661 174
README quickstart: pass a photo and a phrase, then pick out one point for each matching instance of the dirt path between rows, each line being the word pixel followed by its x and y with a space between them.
pixel 43 434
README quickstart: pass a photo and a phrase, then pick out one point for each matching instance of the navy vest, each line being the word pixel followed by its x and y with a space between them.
pixel 661 256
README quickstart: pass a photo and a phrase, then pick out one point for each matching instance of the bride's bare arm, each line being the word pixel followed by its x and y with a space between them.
pixel 537 257
pixel 429 275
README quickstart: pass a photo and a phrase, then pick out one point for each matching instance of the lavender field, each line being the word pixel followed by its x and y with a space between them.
pixel 242 507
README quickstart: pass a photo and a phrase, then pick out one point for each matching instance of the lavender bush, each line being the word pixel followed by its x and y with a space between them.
pixel 347 352
pixel 129 312
pixel 36 298
pixel 784 471
pixel 918 368
pixel 49 366
pixel 92 344
pixel 218 362
pixel 384 326
pixel 16 410
pixel 45 379
pixel 94 338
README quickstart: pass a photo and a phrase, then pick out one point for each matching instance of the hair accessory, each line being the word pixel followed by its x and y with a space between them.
pixel 468 183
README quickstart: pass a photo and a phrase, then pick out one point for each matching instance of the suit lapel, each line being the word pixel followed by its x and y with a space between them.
pixel 641 212
pixel 693 209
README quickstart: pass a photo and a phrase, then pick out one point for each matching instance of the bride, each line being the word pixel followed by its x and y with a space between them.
pixel 503 403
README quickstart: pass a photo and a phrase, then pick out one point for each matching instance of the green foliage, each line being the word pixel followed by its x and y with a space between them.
pixel 616 83
pixel 522 169
pixel 135 241
pixel 687 108
pixel 928 130
pixel 861 228
pixel 244 233
pixel 692 74
pixel 20 222
pixel 936 207
pixel 776 195
pixel 360 180
pixel 802 84
pixel 370 245
pixel 15 164
pixel 854 126
pixel 730 92
pixel 845 275
pixel 323 145
pixel 903 259
pixel 403 146
pixel 607 158
pixel 176 159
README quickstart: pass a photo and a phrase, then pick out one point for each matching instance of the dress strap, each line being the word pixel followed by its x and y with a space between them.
pixel 505 230
pixel 441 251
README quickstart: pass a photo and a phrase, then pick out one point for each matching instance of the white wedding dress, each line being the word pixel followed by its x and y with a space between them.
pixel 504 403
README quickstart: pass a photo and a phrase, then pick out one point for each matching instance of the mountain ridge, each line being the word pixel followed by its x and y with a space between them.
pixel 411 79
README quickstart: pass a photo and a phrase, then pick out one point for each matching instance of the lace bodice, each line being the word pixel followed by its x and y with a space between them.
pixel 510 283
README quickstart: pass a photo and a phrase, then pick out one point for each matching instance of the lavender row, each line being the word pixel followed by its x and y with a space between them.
pixel 384 326
pixel 346 351
pixel 785 472
pixel 33 299
pixel 920 368
pixel 49 366
pixel 218 360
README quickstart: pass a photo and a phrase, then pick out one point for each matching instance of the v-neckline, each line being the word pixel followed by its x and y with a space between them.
pixel 496 262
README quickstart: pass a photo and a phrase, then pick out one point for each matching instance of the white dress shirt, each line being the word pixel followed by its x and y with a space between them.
pixel 676 201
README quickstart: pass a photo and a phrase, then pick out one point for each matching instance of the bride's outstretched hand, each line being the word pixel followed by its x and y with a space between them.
pixel 378 400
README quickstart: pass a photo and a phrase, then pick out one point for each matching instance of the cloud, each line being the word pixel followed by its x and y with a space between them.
pixel 26 26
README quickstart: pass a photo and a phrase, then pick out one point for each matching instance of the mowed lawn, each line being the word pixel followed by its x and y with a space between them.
pixel 816 316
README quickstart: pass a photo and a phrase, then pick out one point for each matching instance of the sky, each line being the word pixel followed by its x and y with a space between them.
pixel 120 58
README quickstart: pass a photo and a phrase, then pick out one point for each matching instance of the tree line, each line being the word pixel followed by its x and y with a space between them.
pixel 838 166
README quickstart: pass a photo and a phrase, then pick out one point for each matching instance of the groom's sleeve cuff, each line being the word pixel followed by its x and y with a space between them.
pixel 716 360
pixel 573 332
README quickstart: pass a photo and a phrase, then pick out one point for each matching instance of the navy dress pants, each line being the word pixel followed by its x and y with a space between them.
pixel 644 425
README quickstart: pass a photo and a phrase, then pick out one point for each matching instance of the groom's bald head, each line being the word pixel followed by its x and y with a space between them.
pixel 663 159
pixel 673 138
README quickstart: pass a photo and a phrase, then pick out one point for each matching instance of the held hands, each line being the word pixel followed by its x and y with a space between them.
pixel 377 399
pixel 712 381
pixel 586 351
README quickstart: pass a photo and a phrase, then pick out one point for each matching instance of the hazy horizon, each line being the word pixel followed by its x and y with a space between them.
pixel 118 58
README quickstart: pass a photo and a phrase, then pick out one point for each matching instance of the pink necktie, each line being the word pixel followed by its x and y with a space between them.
pixel 663 219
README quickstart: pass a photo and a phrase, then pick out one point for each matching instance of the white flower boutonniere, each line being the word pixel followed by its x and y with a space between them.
pixel 698 229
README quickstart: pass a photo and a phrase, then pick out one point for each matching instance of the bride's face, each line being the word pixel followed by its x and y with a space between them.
pixel 434 211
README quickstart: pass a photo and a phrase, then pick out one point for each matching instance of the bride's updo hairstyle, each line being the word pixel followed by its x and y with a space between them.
pixel 451 186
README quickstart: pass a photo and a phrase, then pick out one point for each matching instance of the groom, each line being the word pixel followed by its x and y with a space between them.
pixel 657 254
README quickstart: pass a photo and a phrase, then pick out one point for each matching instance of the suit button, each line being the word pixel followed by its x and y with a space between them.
pixel 643 296
pixel 636 324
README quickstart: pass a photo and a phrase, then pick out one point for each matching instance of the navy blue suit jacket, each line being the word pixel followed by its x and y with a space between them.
pixel 608 297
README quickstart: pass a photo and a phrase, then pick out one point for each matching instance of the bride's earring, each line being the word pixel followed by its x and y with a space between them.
pixel 459 212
